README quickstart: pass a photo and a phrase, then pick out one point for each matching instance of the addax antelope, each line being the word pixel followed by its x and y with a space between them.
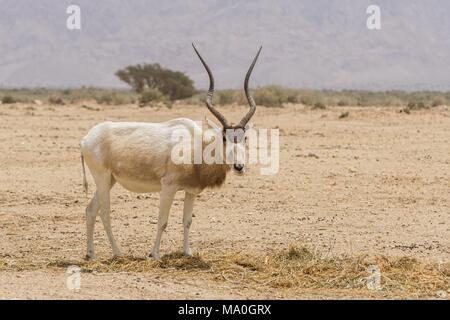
pixel 138 156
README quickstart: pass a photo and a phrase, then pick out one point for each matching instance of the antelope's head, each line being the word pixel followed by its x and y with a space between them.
pixel 233 136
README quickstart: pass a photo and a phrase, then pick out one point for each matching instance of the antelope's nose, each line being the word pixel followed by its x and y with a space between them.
pixel 238 167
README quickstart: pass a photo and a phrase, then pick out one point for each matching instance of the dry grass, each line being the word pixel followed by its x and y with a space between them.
pixel 296 268
pixel 173 261
pixel 269 96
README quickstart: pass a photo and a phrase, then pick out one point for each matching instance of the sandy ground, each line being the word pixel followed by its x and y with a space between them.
pixel 375 182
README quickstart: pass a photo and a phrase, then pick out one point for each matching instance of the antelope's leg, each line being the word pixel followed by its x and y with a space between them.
pixel 91 214
pixel 189 199
pixel 165 202
pixel 104 188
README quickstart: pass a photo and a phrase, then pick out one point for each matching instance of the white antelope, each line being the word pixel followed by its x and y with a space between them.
pixel 138 156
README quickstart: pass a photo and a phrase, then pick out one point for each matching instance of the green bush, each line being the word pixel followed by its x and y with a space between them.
pixel 8 100
pixel 172 84
pixel 152 96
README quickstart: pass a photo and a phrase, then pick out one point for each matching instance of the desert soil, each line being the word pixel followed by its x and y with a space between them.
pixel 375 182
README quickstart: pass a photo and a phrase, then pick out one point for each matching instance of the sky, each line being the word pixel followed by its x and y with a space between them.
pixel 323 44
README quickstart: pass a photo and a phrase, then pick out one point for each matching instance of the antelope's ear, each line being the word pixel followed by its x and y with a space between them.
pixel 212 124
pixel 248 126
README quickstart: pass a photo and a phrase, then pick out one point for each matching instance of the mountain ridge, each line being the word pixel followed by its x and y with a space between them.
pixel 322 44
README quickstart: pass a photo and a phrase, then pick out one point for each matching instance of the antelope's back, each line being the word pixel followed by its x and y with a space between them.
pixel 136 153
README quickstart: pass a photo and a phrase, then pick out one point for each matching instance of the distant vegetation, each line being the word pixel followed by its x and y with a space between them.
pixel 7 99
pixel 269 96
pixel 276 96
pixel 156 84
pixel 68 96
pixel 152 84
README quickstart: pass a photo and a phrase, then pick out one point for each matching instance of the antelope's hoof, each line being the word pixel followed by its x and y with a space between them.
pixel 155 256
pixel 118 254
pixel 89 257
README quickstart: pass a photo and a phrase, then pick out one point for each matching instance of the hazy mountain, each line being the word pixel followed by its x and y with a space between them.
pixel 320 44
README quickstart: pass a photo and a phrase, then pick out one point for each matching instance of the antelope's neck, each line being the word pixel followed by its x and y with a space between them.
pixel 211 175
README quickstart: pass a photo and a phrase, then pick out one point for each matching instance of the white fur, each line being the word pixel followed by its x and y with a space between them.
pixel 137 156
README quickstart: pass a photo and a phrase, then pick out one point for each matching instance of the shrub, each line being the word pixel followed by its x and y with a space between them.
pixel 270 96
pixel 421 105
pixel 8 100
pixel 307 99
pixel 267 98
pixel 239 97
pixel 113 99
pixel 405 110
pixel 104 99
pixel 172 84
pixel 411 105
pixel 225 97
pixel 290 95
pixel 292 98
pixel 438 101
pixel 197 99
pixel 344 115
pixel 151 96
pixel 54 100
pixel 416 106
pixel 319 105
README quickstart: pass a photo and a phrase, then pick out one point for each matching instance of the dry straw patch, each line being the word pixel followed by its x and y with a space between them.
pixel 295 269
pixel 173 261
